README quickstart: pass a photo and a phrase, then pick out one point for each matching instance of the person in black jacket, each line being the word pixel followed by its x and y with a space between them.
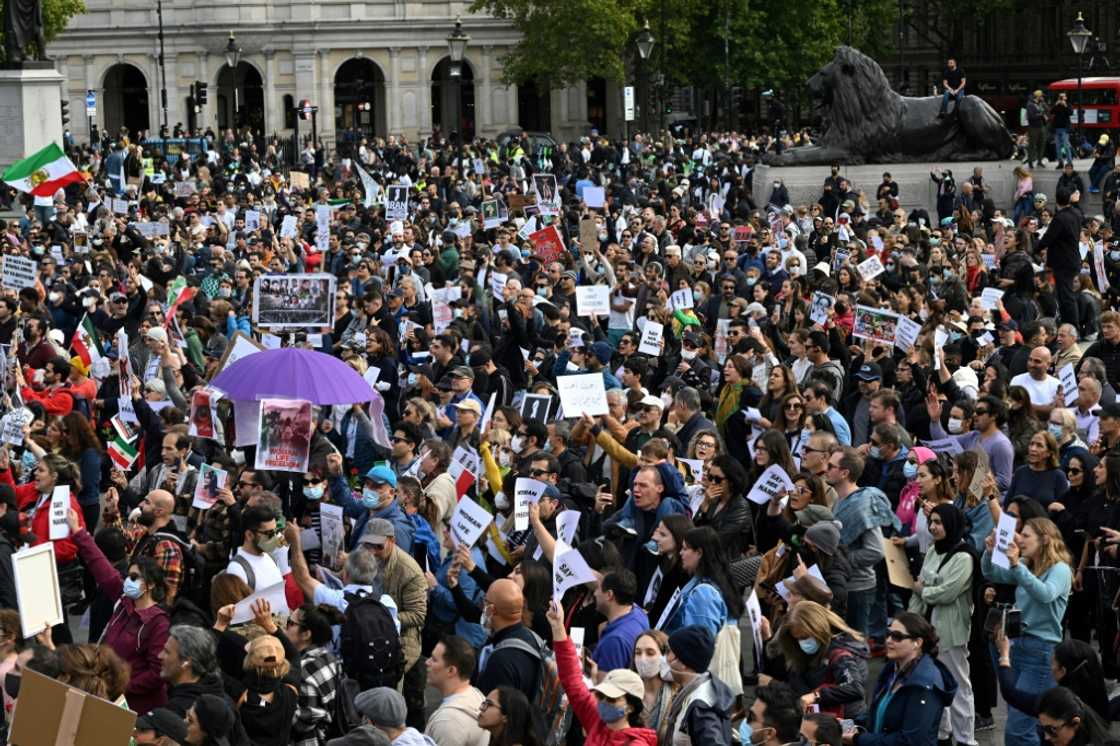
pixel 1062 254
pixel 886 459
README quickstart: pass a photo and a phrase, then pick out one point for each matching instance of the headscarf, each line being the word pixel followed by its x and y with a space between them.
pixel 955 527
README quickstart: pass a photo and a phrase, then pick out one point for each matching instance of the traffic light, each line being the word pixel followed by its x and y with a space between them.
pixel 65 113
pixel 200 92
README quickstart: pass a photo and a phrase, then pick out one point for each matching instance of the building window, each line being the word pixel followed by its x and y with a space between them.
pixel 289 112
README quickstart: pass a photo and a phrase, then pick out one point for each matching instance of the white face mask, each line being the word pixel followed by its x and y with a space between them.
pixel 501 502
pixel 954 426
pixel 517 443
pixel 649 668
pixel 688 354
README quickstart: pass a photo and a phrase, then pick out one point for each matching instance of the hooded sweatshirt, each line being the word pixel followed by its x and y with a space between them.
pixel 455 722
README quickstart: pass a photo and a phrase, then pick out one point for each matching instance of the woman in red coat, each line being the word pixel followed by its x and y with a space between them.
pixel 138 628
pixel 34 499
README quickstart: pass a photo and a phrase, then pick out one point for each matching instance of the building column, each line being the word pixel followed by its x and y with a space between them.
pixel 202 120
pixel 393 100
pixel 483 99
pixel 511 105
pixel 326 95
pixel 424 94
pixel 273 120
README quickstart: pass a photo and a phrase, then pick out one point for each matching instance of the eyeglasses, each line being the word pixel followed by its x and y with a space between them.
pixel 897 636
pixel 401 440
pixel 488 703
pixel 243 483
pixel 539 472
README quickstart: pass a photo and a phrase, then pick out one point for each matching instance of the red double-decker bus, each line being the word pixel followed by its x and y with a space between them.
pixel 1099 100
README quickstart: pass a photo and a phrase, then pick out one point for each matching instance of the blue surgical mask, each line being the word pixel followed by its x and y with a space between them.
pixel 132 589
pixel 371 498
pixel 909 470
pixel 313 493
pixel 809 646
pixel 1055 430
pixel 1114 256
pixel 751 281
pixel 874 452
pixel 413 378
pixel 610 713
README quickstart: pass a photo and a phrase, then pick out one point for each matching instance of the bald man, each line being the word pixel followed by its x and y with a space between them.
pixel 153 535
pixel 1042 386
pixel 513 654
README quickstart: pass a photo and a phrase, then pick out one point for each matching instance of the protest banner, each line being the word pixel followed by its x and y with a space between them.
pixel 772 483
pixel 569 569
pixel 37 590
pixel 651 338
pixel 1068 378
pixel 332 533
pixel 593 300
pixel 469 521
pixel 210 480
pixel 944 445
pixel 396 202
pixel 120 206
pixel 51 713
pixel 299 180
pixel 1005 534
pixel 547 243
pixel 184 189
pixel 875 324
pixel 296 301
pixel 18 272
pixel 870 268
pixel 582 394
pixel 548 196
pixel 906 333
pixel 525 491
pixel 285 429
pixel 151 230
pixel 822 304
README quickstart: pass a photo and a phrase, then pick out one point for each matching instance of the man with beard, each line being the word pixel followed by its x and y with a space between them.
pixel 153 536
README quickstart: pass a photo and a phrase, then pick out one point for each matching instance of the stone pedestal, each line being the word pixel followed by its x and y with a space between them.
pixel 30 110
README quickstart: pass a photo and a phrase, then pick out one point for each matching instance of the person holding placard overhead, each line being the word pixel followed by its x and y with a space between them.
pixel 1037 563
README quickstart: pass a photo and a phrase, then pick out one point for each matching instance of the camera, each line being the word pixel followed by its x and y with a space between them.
pixel 1003 618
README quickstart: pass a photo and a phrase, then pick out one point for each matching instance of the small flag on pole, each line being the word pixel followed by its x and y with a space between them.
pixel 42 174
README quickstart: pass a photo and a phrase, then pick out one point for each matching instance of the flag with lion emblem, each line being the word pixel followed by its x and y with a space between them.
pixel 42 174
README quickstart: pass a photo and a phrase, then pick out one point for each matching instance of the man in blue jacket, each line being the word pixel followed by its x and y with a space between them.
pixel 377 500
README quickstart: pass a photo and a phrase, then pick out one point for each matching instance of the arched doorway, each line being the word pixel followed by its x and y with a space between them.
pixel 534 106
pixel 126 100
pixel 444 86
pixel 597 104
pixel 359 102
pixel 240 100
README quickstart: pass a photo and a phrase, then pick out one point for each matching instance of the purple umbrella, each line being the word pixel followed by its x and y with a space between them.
pixel 293 373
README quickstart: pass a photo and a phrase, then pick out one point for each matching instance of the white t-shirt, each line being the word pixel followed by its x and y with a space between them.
pixel 264 569
pixel 1042 392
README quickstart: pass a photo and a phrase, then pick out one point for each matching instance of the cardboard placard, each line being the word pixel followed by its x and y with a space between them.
pixel 299 180
pixel 547 243
pixel 51 713
pixel 588 234
pixel 898 567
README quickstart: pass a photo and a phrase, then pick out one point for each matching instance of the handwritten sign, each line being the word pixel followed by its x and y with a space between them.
pixel 990 298
pixel 593 300
pixel 870 268
pixel 11 426
pixel 773 482
pixel 288 227
pixel 680 299
pixel 583 394
pixel 1068 380
pixel 60 508
pixel 18 272
pixel 1005 534
pixel 469 521
pixel 526 491
pixel 569 569
pixel 651 338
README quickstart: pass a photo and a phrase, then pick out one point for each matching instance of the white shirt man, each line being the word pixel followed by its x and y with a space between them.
pixel 1042 386
pixel 455 722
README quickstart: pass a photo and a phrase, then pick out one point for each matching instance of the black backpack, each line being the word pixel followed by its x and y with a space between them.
pixel 370 645
pixel 193 584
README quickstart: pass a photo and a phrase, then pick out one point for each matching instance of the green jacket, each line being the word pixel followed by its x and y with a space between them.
pixel 949 593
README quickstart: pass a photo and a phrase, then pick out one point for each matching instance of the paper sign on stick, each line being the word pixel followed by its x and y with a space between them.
pixel 774 481
pixel 583 394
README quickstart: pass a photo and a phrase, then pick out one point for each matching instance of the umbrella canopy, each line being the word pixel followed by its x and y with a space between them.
pixel 293 373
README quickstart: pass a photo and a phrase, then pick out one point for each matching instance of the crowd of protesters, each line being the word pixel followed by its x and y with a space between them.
pixel 712 618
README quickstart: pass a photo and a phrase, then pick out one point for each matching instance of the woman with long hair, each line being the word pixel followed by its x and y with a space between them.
pixel 913 690
pixel 508 717
pixel 1041 476
pixel 779 384
pixel 708 598
pixel 381 355
pixel 94 669
pixel 613 708
pixel 724 484
pixel 935 487
pixel 650 650
pixel 910 497
pixel 771 448
pixel 1071 514
pixel 736 377
pixel 826 659
pixel 79 443
pixel 34 499
pixel 976 505
pixel 1024 194
pixel 1066 720
pixel 1022 423
pixel 670 575
pixel 1039 568
pixel 793 418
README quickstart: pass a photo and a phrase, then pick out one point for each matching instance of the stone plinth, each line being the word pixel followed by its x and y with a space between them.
pixel 30 112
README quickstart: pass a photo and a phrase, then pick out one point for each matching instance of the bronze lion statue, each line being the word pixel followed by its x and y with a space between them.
pixel 865 121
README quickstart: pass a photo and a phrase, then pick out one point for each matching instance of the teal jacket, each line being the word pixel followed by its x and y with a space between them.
pixel 1041 599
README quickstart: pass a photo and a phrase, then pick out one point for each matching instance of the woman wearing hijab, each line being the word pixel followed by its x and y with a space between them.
pixel 943 594
pixel 909 497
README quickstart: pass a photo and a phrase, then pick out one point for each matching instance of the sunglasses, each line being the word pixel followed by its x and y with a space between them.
pixel 715 478
pixel 897 636
pixel 1073 470
pixel 793 405
pixel 539 472
pixel 269 534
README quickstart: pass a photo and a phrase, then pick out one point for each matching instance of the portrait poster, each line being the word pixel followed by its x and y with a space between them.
pixel 298 301
pixel 548 196
pixel 210 480
pixel 332 533
pixel 204 420
pixel 875 324
pixel 284 440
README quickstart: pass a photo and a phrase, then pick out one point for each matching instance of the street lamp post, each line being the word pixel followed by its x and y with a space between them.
pixel 162 72
pixel 457 48
pixel 645 42
pixel 1079 38
pixel 233 59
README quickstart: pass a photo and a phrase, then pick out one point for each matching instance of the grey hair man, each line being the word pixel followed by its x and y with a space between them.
pixel 189 665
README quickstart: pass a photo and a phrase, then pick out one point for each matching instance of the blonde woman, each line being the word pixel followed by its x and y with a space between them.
pixel 1040 568
pixel 827 660
pixel 1024 194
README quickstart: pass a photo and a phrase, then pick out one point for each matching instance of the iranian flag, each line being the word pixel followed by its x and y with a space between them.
pixel 464 468
pixel 178 293
pixel 42 174
pixel 86 343
pixel 123 452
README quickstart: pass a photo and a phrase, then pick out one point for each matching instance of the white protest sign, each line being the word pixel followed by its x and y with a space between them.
pixel 595 197
pixel 567 523
pixel 60 507
pixel 18 272
pixel 818 311
pixel 396 202
pixel 498 283
pixel 944 445
pixel 488 412
pixel 288 227
pixel 11 426
pixel 990 297
pixel 680 299
pixel 39 601
pixel 940 338
pixel 696 466
pixel 469 521
pixel 274 594
pixel 333 532
pixel 870 268
pixel 1005 534
pixel 985 339
pixel 525 491
pixel 583 394
pixel 323 228
pixel 906 333
pixel 1098 264
pixel 252 220
pixel 120 206
pixel 1068 380
pixel 569 569
pixel 651 338
pixel 774 481
pixel 754 613
pixel 593 300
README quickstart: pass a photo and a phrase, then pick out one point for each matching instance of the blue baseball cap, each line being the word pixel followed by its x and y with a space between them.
pixel 382 475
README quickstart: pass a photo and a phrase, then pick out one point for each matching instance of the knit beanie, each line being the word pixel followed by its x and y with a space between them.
pixel 694 646
pixel 825 536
